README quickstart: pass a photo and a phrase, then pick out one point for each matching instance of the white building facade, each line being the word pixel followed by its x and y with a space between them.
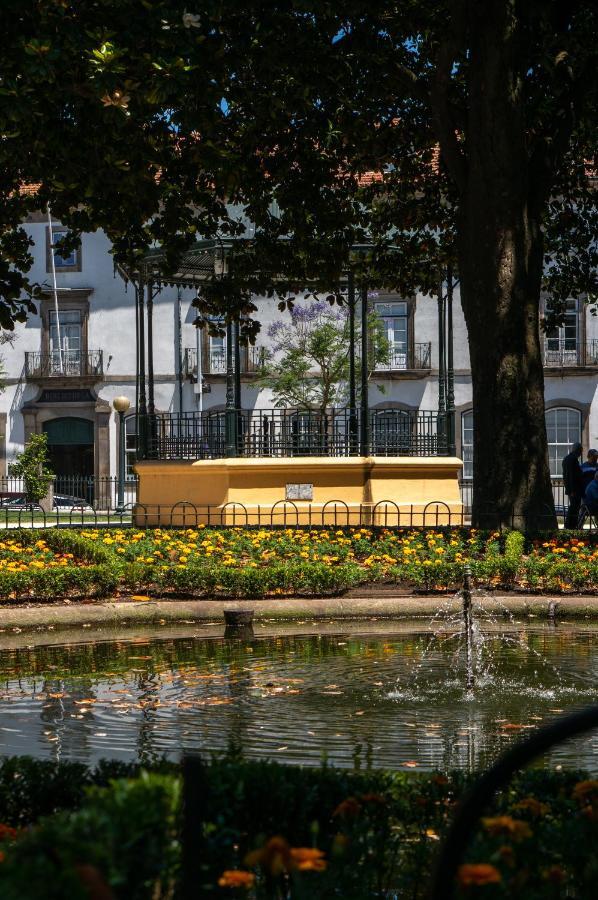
pixel 62 372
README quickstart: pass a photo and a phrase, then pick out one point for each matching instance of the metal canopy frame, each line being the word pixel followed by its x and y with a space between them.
pixel 207 258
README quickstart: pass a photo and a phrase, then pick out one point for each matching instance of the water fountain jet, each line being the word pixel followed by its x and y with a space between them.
pixel 468 625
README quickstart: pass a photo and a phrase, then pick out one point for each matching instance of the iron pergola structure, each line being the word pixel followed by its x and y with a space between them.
pixel 237 432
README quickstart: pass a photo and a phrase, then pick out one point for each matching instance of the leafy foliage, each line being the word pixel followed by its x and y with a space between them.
pixel 368 832
pixel 308 366
pixel 32 466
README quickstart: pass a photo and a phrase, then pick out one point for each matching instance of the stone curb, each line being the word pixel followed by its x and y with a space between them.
pixel 117 613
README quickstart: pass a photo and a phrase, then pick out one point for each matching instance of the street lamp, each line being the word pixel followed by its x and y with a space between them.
pixel 121 405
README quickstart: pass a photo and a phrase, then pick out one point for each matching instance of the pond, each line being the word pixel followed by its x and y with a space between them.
pixel 379 693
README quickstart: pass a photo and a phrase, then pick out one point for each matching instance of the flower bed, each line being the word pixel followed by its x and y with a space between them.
pixel 266 831
pixel 243 562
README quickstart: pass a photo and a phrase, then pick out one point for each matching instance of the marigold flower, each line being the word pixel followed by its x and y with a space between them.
pixel 274 856
pixel 532 806
pixel 7 832
pixel 584 791
pixel 349 807
pixel 308 859
pixel 515 828
pixel 555 874
pixel 477 874
pixel 236 878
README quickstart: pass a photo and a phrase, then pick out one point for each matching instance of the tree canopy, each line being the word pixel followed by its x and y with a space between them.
pixel 440 131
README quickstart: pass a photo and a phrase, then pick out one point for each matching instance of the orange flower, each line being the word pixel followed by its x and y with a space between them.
pixel 349 807
pixel 584 791
pixel 236 878
pixel 532 806
pixel 274 856
pixel 471 874
pixel 554 874
pixel 7 832
pixel 515 828
pixel 308 859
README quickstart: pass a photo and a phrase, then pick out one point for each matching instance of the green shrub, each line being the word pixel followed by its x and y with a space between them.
pixel 378 830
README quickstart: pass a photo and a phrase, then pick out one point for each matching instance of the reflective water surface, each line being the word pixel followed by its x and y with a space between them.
pixel 379 694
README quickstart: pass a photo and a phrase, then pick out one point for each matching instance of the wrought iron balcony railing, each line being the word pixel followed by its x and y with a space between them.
pixel 214 361
pixel 569 353
pixel 417 357
pixel 64 364
pixel 284 433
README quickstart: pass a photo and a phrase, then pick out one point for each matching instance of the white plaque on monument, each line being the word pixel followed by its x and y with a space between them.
pixel 299 492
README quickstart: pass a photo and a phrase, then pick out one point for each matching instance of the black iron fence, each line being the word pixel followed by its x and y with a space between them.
pixel 284 433
pixel 335 513
pixel 70 491
pixel 558 492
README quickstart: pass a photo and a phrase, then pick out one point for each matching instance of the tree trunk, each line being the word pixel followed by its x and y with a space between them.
pixel 500 262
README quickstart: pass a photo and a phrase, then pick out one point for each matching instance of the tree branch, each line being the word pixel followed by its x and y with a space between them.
pixel 444 114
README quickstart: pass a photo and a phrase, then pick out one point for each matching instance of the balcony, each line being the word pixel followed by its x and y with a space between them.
pixel 415 358
pixel 214 361
pixel 567 354
pixel 69 364
pixel 276 433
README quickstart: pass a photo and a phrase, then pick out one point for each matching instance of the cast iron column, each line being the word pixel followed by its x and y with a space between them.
pixel 441 426
pixel 230 416
pixel 365 409
pixel 353 428
pixel 122 462
pixel 151 406
pixel 142 407
pixel 450 397
pixel 237 361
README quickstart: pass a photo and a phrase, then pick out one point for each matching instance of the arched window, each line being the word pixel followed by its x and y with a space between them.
pixel 563 428
pixel 467 443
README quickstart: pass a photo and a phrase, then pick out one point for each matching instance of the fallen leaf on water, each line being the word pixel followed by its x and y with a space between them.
pixel 282 748
pixel 411 764
pixel 360 712
pixel 139 657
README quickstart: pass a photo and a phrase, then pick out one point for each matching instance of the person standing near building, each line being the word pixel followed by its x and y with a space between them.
pixel 574 484
pixel 589 468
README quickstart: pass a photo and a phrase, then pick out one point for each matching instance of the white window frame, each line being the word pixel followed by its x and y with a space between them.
pixel 571 432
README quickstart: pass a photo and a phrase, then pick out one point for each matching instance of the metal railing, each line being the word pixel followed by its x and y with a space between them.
pixel 65 363
pixel 214 361
pixel 98 492
pixel 334 513
pixel 558 492
pixel 417 357
pixel 569 353
pixel 283 433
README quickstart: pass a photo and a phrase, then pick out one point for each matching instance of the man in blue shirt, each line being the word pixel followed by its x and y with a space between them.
pixel 591 496
pixel 589 468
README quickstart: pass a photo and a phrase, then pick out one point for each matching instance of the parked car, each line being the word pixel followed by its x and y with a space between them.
pixel 62 503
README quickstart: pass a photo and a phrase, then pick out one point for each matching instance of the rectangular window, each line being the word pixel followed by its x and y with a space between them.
pixel 70 261
pixel 395 322
pixel 65 341
pixel 216 355
pixel 561 341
